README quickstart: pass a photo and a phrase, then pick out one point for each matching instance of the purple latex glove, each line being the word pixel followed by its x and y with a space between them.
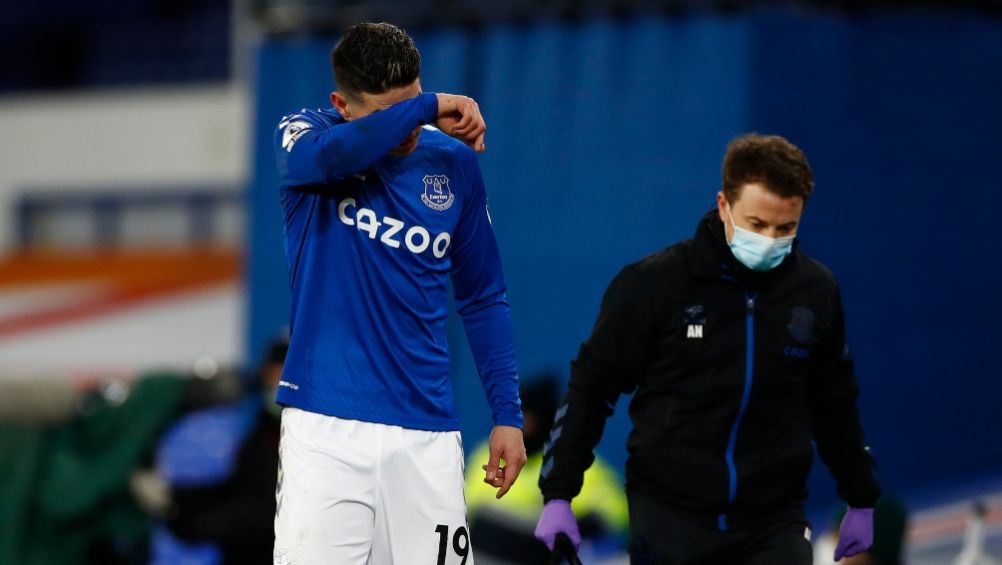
pixel 557 517
pixel 856 534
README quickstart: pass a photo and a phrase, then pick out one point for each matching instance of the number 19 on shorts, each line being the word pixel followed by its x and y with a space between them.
pixel 460 543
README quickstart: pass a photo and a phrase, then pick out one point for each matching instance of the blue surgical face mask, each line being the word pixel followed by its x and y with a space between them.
pixel 756 251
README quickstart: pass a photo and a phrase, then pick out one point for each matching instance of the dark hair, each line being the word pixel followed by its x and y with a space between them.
pixel 373 58
pixel 769 160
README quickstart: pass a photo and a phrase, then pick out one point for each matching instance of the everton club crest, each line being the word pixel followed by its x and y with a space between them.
pixel 437 194
pixel 801 326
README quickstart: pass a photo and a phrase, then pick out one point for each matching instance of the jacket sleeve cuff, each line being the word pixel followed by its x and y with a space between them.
pixel 862 492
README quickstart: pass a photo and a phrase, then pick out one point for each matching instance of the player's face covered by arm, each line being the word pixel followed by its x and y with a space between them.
pixel 313 147
pixel 361 105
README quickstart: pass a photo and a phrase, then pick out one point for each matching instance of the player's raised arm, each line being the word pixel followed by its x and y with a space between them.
pixel 312 149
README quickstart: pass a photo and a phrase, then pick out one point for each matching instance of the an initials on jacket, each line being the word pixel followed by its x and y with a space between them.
pixel 695 317
pixel 417 239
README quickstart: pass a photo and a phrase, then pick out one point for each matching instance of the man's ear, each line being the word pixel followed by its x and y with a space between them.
pixel 722 207
pixel 340 103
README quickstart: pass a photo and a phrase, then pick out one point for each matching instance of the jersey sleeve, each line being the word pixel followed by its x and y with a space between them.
pixel 312 150
pixel 481 298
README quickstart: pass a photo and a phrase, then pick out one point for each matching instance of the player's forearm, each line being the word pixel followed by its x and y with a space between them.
pixel 352 147
pixel 489 332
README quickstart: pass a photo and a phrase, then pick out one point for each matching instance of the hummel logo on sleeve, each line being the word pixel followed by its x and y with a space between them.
pixel 293 129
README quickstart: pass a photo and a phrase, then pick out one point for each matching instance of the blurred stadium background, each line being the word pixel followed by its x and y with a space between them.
pixel 140 229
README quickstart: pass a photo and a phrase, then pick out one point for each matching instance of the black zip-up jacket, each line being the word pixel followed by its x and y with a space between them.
pixel 733 374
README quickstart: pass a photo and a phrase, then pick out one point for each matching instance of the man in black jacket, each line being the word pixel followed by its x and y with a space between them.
pixel 733 345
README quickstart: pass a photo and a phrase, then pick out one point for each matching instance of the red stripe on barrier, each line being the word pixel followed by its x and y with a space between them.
pixel 132 278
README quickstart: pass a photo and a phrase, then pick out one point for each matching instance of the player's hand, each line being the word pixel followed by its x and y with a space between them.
pixel 507 457
pixel 459 116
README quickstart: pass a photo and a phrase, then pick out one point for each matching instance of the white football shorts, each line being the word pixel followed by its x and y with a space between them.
pixel 359 493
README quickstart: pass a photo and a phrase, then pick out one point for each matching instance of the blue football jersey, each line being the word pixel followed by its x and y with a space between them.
pixel 371 240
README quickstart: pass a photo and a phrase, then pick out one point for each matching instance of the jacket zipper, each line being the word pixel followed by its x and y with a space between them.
pixel 732 487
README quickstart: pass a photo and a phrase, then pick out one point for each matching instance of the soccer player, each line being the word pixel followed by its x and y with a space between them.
pixel 733 345
pixel 381 210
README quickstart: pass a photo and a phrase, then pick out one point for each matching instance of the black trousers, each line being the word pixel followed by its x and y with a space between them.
pixel 661 537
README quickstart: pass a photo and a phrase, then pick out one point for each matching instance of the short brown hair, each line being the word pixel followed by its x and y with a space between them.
pixel 372 58
pixel 769 160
